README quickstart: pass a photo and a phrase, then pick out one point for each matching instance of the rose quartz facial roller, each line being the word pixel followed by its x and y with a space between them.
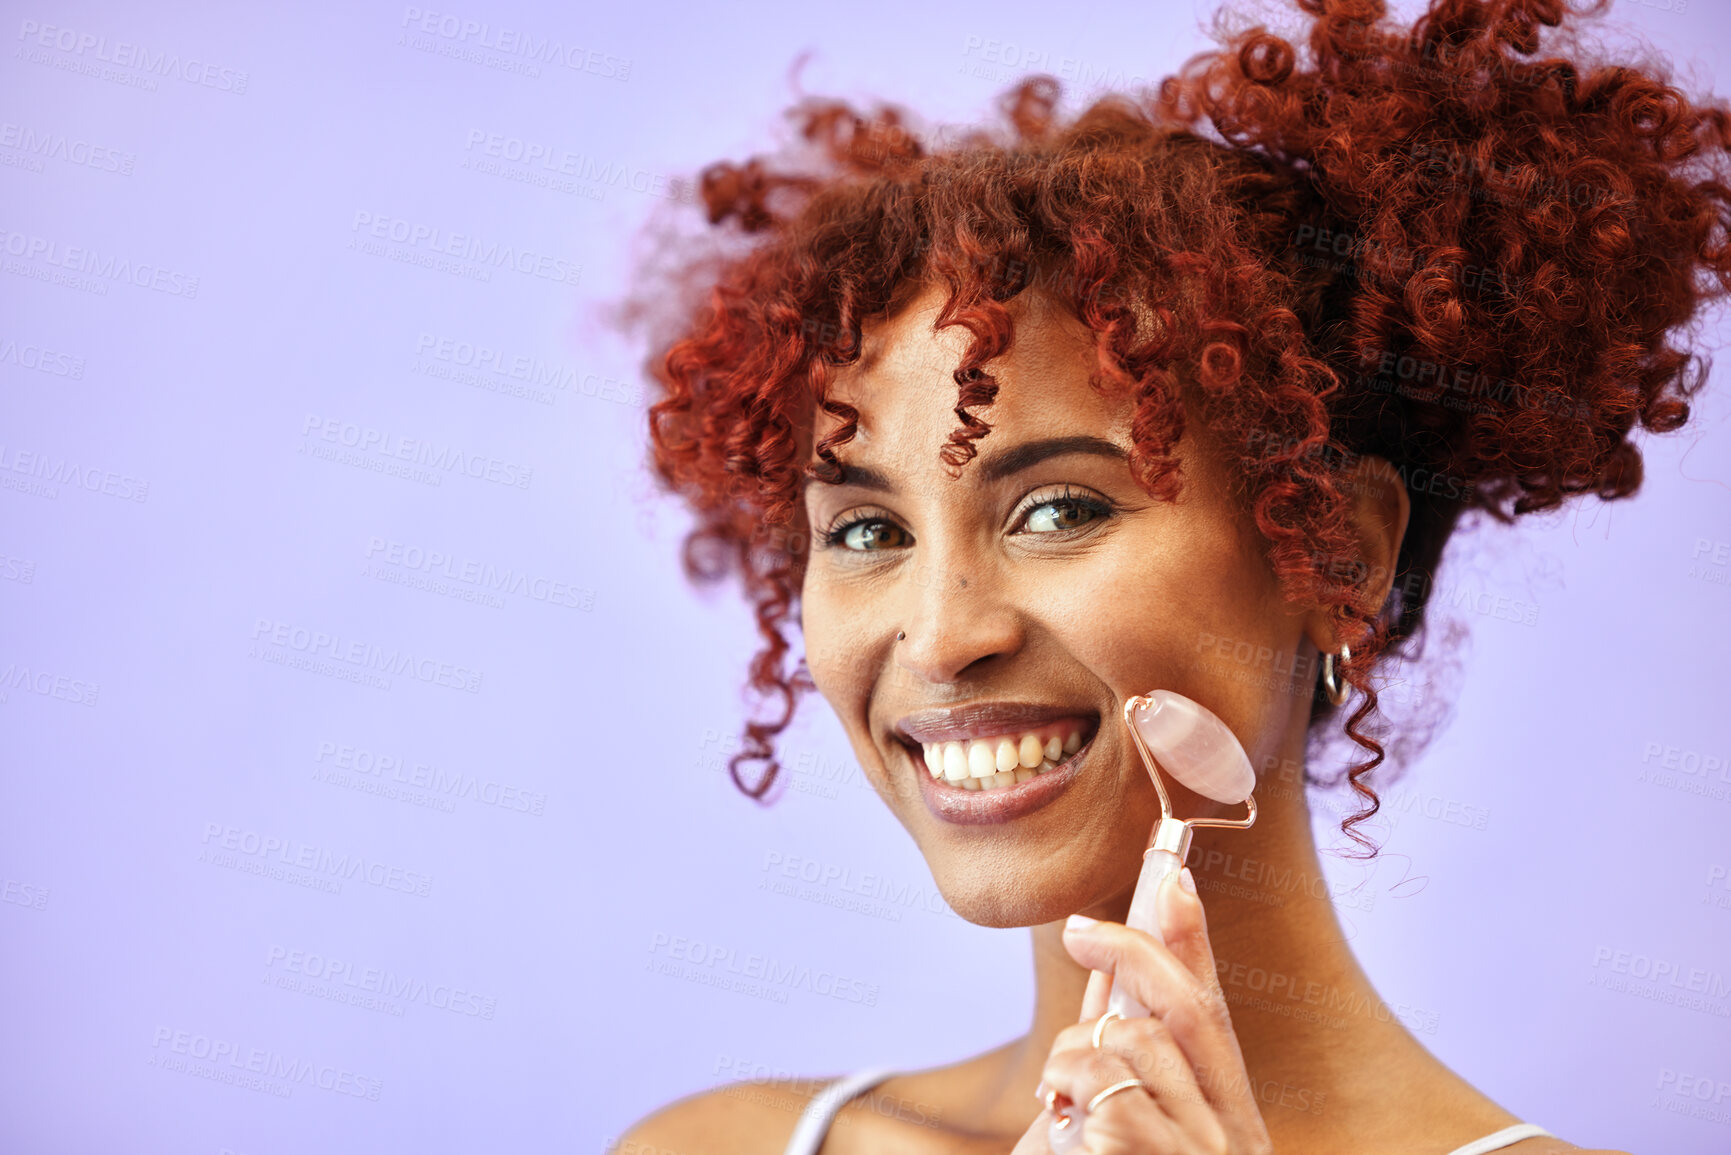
pixel 1197 749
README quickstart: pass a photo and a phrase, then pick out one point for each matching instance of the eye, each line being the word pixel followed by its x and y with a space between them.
pixel 1053 513
pixel 866 533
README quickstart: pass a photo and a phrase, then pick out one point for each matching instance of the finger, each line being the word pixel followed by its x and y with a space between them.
pixel 1130 1120
pixel 1194 1011
pixel 1094 998
pixel 1185 927
pixel 1034 1140
pixel 1192 1006
pixel 1145 1045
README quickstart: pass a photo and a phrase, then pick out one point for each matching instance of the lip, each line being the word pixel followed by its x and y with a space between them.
pixel 963 807
pixel 984 720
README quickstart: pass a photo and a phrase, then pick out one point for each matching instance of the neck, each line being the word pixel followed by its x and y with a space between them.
pixel 1308 1021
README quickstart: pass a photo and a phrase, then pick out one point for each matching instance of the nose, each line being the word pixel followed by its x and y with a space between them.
pixel 958 618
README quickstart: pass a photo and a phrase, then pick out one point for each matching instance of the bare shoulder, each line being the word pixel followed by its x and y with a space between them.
pixel 745 1118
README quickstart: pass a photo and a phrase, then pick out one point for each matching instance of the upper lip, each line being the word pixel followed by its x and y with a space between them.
pixel 981 720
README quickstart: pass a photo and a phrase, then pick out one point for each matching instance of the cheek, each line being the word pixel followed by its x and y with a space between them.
pixel 836 653
pixel 1158 613
pixel 1149 605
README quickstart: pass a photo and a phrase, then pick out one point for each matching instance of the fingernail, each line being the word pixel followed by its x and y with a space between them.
pixel 1079 922
pixel 1174 912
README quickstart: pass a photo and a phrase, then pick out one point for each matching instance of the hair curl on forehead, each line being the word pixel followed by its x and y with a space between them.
pixel 1425 243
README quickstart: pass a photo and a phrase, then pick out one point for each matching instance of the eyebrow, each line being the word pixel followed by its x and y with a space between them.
pixel 997 466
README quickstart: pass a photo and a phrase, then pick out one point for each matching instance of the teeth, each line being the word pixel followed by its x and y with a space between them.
pixel 993 763
pixel 955 762
pixel 982 763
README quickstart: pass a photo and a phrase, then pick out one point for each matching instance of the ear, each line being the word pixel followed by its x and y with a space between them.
pixel 1379 513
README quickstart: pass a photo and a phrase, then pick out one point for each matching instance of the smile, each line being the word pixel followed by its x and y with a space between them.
pixel 1003 760
pixel 993 763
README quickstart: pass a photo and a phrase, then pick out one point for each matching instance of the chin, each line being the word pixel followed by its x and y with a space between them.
pixel 1040 893
pixel 991 906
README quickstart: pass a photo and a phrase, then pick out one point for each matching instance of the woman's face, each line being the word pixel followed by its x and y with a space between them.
pixel 1037 592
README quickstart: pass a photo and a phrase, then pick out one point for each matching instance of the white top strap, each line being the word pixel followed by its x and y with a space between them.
pixel 814 1121
pixel 1504 1138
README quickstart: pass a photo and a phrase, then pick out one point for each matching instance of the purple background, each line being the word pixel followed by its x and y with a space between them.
pixel 173 527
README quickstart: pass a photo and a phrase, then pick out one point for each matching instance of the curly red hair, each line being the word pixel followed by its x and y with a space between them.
pixel 1432 244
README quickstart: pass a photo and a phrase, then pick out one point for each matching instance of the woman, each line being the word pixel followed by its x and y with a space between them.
pixel 1186 393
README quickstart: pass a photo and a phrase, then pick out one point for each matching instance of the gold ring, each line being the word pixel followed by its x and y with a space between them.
pixel 1095 1102
pixel 1100 1027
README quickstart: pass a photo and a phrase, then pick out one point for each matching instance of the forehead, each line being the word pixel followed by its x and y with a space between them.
pixel 904 389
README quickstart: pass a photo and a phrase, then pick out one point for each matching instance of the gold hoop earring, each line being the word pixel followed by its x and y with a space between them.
pixel 1335 688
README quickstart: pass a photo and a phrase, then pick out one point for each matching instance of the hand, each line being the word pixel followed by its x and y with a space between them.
pixel 1199 1099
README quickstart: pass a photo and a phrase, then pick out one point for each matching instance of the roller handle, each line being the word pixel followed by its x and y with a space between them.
pixel 1144 916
